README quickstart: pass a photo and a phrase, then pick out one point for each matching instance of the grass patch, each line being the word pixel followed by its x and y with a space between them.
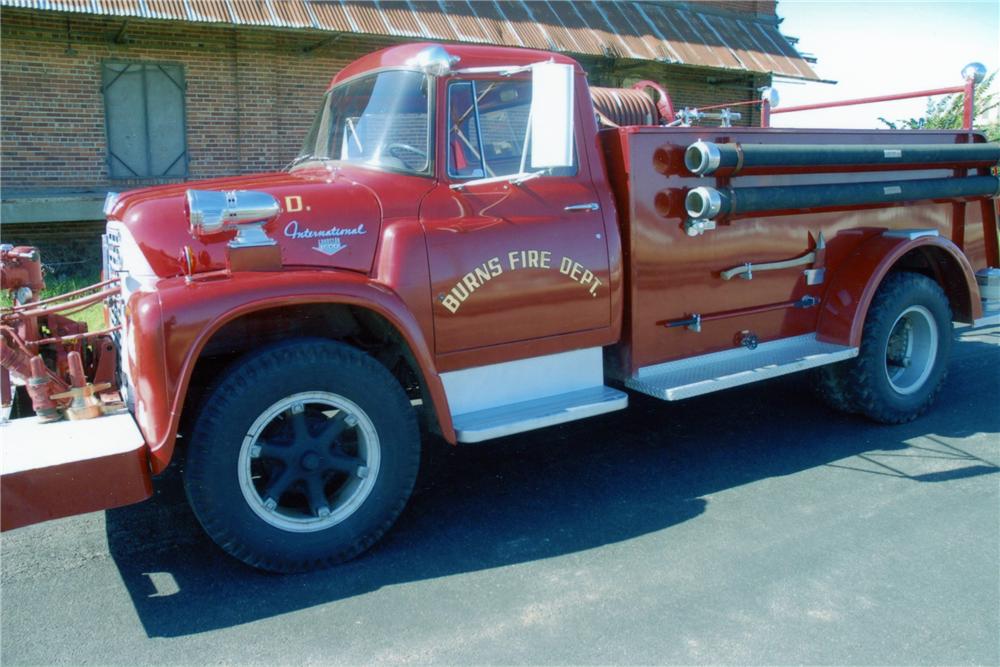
pixel 92 316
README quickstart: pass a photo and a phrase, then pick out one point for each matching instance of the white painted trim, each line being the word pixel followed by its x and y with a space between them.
pixel 495 385
pixel 539 413
pixel 29 445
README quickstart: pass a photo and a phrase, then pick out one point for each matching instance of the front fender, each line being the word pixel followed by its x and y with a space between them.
pixel 855 280
pixel 190 314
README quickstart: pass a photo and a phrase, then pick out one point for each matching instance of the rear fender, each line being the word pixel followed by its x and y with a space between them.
pixel 855 280
pixel 191 313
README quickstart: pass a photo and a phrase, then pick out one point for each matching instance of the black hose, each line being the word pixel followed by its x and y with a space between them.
pixel 708 203
pixel 705 157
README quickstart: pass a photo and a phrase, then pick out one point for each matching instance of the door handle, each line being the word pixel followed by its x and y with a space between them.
pixel 592 206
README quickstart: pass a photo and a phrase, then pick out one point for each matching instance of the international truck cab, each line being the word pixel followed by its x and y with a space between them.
pixel 474 243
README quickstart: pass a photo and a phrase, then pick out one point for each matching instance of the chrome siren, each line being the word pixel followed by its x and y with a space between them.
pixel 246 211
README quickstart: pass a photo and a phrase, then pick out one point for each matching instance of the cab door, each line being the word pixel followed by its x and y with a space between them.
pixel 509 261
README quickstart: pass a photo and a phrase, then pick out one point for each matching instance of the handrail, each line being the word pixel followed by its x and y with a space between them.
pixel 972 73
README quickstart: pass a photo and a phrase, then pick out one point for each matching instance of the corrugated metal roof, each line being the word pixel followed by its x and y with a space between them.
pixel 663 31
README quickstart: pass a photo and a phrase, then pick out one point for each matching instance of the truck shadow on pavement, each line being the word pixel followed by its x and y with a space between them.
pixel 557 491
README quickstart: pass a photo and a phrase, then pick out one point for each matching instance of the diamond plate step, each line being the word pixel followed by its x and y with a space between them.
pixel 704 374
pixel 529 415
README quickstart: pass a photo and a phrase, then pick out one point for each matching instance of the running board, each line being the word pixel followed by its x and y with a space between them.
pixel 704 374
pixel 537 413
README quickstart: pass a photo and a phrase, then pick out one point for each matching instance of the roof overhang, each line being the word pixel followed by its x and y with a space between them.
pixel 675 33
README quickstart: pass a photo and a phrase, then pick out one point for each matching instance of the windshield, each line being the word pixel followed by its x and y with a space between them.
pixel 380 120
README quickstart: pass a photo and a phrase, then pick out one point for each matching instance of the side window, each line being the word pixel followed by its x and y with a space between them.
pixel 145 119
pixel 464 147
pixel 488 128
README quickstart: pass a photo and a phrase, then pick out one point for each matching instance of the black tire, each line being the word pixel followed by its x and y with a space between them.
pixel 831 384
pixel 905 347
pixel 310 421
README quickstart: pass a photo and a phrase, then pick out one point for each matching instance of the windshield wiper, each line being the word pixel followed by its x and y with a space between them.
pixel 514 179
pixel 303 158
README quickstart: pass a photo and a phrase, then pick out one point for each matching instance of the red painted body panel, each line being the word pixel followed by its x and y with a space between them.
pixel 672 275
pixel 542 271
pixel 572 322
pixel 313 200
pixel 56 490
pixel 850 292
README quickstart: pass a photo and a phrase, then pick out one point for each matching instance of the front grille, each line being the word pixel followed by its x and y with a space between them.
pixel 116 304
pixel 112 269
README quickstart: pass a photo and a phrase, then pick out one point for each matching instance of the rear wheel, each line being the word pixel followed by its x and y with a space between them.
pixel 904 353
pixel 303 456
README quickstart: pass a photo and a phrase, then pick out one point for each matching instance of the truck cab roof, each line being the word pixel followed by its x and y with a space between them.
pixel 469 56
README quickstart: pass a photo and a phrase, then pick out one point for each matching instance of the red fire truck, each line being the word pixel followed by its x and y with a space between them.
pixel 473 243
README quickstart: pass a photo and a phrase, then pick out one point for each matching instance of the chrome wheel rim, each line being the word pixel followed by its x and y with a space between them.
pixel 911 350
pixel 309 461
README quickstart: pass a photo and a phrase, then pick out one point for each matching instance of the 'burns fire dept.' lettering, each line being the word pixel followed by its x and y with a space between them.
pixel 517 260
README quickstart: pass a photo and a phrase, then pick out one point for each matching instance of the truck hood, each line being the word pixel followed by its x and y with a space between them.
pixel 330 218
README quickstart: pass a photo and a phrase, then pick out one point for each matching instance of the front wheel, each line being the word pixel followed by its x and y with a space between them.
pixel 303 456
pixel 904 353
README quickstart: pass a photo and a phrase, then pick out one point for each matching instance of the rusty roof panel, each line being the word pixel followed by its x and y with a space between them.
pixel 555 34
pixel 724 48
pixel 738 43
pixel 560 31
pixel 529 34
pixel 251 12
pixel 367 16
pixel 631 32
pixel 500 31
pixel 464 22
pixel 710 43
pixel 291 14
pixel 332 17
pixel 608 44
pixel 166 9
pixel 584 39
pixel 691 36
pixel 768 60
pixel 663 30
pixel 429 15
pixel 67 5
pixel 401 19
pixel 775 44
pixel 639 27
pixel 121 7
pixel 635 29
pixel 207 10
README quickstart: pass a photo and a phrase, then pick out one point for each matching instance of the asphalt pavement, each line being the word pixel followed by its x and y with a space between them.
pixel 749 526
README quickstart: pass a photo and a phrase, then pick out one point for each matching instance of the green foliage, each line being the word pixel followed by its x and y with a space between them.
pixel 945 113
pixel 93 315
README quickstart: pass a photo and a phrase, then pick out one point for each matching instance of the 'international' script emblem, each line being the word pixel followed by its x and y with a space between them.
pixel 328 240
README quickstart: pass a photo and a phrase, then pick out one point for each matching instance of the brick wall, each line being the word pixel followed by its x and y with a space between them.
pixel 251 94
